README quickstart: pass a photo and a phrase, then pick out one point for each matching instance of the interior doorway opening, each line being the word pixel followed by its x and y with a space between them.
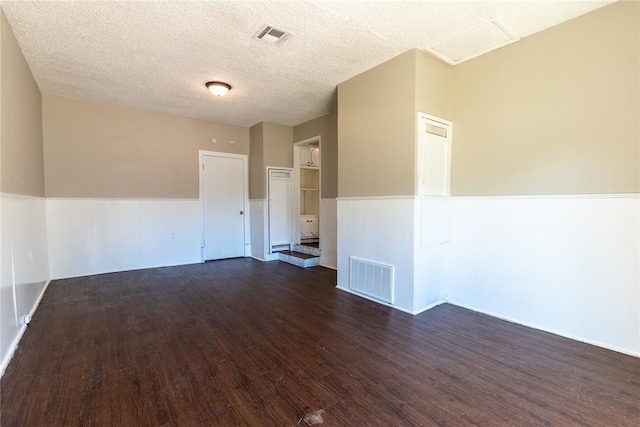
pixel 307 189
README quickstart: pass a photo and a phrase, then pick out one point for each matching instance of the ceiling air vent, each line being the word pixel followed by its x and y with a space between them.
pixel 272 34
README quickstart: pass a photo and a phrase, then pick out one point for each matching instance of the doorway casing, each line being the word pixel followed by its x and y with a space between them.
pixel 315 141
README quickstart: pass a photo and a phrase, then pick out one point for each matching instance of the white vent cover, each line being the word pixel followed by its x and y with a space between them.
pixel 474 42
pixel 272 34
pixel 371 278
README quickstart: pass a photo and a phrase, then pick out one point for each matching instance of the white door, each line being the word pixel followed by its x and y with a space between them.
pixel 224 209
pixel 280 207
pixel 434 162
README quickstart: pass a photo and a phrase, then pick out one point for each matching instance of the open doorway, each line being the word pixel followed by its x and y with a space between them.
pixel 307 190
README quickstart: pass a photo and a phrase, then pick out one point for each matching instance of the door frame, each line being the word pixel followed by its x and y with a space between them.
pixel 247 219
pixel 293 202
pixel 296 185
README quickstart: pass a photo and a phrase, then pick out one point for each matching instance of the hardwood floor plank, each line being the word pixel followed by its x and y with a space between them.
pixel 241 342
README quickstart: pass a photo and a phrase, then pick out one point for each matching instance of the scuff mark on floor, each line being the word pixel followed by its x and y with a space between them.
pixel 313 418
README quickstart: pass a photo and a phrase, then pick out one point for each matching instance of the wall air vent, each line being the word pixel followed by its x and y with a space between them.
pixel 272 34
pixel 372 279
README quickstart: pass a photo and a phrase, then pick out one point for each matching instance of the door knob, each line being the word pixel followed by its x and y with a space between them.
pixel 241 212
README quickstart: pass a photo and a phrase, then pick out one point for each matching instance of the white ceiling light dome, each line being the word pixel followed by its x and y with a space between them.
pixel 219 88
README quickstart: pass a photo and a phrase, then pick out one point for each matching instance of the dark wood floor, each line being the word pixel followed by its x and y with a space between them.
pixel 240 342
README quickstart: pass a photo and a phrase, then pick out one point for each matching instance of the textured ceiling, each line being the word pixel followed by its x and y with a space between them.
pixel 158 55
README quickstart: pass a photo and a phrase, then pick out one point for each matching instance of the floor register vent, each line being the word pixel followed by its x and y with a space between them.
pixel 371 278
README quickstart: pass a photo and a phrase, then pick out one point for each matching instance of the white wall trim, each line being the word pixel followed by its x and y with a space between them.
pixel 556 196
pixel 406 197
pixel 329 267
pixel 551 331
pixel 12 349
pixel 21 196
pixel 14 344
pixel 126 199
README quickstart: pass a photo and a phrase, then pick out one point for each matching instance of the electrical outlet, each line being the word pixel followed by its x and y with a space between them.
pixel 30 254
pixel 174 171
pixel 173 236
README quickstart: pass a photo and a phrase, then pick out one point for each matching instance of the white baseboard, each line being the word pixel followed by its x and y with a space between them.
pixel 554 332
pixel 269 258
pixel 329 267
pixel 404 310
pixel 370 299
pixel 23 328
pixel 428 307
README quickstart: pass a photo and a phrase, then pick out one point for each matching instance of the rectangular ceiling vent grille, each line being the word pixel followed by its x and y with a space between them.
pixel 372 279
pixel 272 34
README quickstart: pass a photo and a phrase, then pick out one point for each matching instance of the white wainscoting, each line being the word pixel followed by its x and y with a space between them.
pixel 24 267
pixel 378 229
pixel 567 265
pixel 329 233
pixel 93 236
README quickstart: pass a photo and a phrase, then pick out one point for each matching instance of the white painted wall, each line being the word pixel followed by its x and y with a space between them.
pixel 329 233
pixel 378 229
pixel 567 265
pixel 24 266
pixel 93 236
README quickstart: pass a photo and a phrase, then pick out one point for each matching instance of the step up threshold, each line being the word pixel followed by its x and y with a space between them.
pixel 299 259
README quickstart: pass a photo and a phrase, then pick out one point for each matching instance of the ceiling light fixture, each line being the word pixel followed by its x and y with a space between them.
pixel 219 88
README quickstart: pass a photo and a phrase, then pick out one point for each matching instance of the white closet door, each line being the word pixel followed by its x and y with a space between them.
pixel 280 207
pixel 224 207
pixel 434 160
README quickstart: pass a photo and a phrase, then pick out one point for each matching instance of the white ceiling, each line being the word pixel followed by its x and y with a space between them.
pixel 158 55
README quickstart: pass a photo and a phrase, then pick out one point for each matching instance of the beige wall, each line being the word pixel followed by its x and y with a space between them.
pixel 256 162
pixel 377 117
pixel 376 131
pixel 271 145
pixel 22 159
pixel 556 113
pixel 278 145
pixel 327 128
pixel 434 86
pixel 103 151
